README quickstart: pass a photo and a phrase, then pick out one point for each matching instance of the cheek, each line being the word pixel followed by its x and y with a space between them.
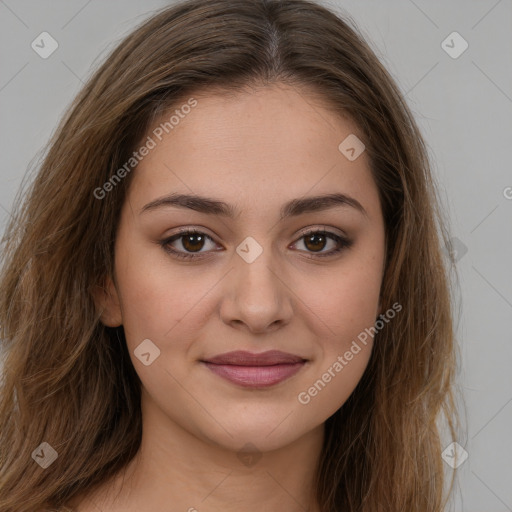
pixel 345 310
pixel 333 383
pixel 162 301
pixel 344 300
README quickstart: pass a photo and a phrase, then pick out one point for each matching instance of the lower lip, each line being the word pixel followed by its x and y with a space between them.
pixel 255 376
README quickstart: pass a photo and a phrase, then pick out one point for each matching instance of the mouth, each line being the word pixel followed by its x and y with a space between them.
pixel 251 370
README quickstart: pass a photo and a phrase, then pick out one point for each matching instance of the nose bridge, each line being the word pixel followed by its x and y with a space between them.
pixel 255 268
pixel 257 296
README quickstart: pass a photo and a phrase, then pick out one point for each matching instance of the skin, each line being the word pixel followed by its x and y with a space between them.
pixel 255 150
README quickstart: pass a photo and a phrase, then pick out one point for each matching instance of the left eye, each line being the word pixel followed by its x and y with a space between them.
pixel 315 241
pixel 193 241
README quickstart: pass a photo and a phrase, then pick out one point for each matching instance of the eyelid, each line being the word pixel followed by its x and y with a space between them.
pixel 183 255
pixel 304 231
pixel 343 241
pixel 328 229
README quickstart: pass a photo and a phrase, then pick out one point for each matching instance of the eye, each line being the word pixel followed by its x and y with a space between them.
pixel 316 240
pixel 192 241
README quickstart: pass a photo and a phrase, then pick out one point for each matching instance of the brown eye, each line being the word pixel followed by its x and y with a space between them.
pixel 316 242
pixel 191 241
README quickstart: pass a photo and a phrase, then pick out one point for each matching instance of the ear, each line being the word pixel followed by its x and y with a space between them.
pixel 106 299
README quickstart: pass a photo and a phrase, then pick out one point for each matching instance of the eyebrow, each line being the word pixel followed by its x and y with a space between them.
pixel 292 208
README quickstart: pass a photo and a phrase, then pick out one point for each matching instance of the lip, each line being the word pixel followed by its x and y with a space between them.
pixel 248 369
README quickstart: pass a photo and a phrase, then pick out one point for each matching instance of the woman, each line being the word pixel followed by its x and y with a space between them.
pixel 225 287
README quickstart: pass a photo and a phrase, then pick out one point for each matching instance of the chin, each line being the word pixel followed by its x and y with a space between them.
pixel 266 432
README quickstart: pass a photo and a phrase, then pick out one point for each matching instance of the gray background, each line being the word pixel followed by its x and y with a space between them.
pixel 463 106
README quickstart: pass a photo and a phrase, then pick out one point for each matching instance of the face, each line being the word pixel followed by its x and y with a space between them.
pixel 253 276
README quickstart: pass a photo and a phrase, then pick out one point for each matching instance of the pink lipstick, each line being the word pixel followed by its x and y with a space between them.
pixel 255 370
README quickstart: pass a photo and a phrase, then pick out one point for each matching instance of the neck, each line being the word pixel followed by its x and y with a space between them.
pixel 176 470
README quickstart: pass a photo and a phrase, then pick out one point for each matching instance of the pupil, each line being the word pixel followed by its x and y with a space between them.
pixel 313 237
pixel 196 245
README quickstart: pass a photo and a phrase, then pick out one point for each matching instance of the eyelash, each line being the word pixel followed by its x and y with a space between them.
pixel 344 243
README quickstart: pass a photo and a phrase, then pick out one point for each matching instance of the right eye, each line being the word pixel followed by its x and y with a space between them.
pixel 190 239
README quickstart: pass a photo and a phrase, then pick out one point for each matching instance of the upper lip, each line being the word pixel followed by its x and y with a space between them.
pixel 243 358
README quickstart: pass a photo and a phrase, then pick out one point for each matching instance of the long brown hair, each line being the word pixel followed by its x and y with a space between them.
pixel 68 380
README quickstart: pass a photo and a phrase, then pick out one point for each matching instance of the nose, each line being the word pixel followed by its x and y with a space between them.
pixel 257 297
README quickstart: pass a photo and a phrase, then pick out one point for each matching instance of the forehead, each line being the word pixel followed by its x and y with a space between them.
pixel 252 146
